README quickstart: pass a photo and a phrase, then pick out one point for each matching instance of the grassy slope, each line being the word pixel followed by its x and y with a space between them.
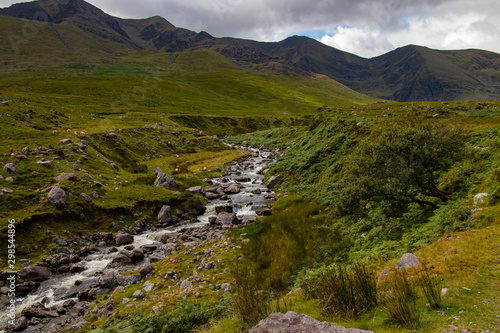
pixel 466 261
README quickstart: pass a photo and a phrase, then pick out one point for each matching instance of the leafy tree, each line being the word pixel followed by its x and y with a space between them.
pixel 402 165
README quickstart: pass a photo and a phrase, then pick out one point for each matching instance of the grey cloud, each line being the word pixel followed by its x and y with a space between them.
pixel 378 20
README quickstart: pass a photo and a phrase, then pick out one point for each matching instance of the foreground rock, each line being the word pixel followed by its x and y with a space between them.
pixel 293 322
pixel 57 197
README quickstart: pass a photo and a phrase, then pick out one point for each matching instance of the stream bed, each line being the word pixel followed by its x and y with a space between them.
pixel 239 194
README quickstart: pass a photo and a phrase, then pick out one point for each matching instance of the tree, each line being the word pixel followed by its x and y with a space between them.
pixel 401 166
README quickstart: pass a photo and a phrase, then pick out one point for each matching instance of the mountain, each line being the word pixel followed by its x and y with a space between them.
pixel 79 32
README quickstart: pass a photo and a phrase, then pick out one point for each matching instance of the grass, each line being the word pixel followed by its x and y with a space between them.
pixel 343 291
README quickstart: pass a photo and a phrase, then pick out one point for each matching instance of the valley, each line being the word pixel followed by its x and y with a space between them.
pixel 155 179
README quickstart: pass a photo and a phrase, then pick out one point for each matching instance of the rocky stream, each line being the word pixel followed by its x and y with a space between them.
pixel 52 302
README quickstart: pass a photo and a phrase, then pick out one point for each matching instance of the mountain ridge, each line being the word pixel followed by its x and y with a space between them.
pixel 409 73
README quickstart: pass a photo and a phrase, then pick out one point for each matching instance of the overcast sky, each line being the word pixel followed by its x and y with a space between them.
pixel 364 27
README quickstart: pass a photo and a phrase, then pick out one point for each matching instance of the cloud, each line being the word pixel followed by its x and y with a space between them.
pixel 364 27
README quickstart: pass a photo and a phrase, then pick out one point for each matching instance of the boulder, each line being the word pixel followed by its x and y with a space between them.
pixel 211 195
pixel 248 218
pixel 196 189
pixel 86 197
pixel 226 219
pixel 23 289
pixel 103 313
pixel 138 294
pixel 77 268
pixel 271 182
pixel 48 164
pixel 38 310
pixel 122 238
pixel 164 180
pixel 186 285
pixel 382 275
pixel 112 136
pixel 242 179
pixel 224 208
pixel 34 273
pixel 232 189
pixel 66 176
pixel 148 286
pixel 408 260
pixel 137 255
pixel 293 322
pixel 10 168
pixel 263 212
pixel 145 269
pixel 124 257
pixel 165 215
pixel 20 324
pixel 227 287
pixel 66 141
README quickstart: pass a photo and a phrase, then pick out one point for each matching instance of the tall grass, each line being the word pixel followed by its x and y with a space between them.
pixel 430 285
pixel 400 300
pixel 343 291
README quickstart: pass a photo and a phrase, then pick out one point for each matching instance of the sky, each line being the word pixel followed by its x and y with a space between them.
pixel 367 28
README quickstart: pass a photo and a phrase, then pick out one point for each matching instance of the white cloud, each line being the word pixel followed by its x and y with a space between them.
pixel 358 41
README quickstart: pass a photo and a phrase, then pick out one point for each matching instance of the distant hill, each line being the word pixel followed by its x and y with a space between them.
pixel 79 32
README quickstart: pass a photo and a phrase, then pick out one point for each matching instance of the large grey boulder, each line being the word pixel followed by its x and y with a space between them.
pixel 34 273
pixel 165 214
pixel 10 168
pixel 164 180
pixel 293 322
pixel 408 260
pixel 57 197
